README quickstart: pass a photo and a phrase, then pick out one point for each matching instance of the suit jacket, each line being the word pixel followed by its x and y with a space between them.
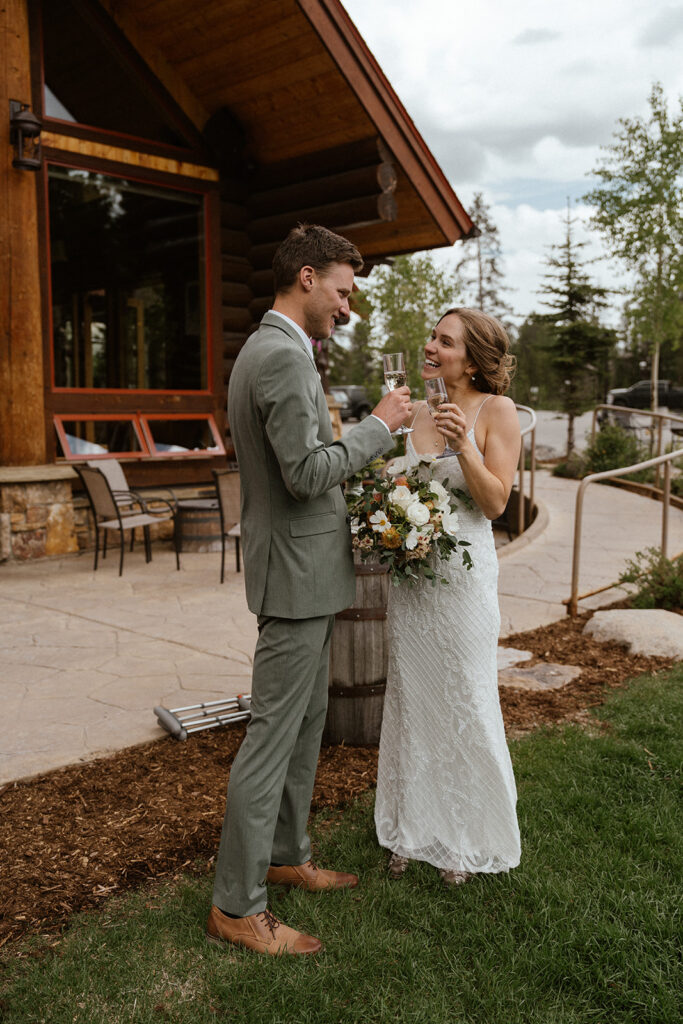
pixel 295 535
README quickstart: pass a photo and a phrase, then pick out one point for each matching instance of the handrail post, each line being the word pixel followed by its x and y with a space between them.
pixel 520 503
pixel 666 501
pixel 532 473
pixel 658 474
pixel 573 603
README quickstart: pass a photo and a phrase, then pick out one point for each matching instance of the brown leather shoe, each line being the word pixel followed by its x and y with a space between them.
pixel 261 932
pixel 310 877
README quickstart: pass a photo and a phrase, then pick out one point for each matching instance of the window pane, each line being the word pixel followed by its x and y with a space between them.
pixel 182 435
pixel 128 293
pixel 90 438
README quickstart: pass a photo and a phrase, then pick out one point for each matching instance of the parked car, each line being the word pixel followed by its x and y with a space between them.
pixel 353 400
pixel 638 395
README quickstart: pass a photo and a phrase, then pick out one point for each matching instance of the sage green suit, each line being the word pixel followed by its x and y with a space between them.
pixel 298 570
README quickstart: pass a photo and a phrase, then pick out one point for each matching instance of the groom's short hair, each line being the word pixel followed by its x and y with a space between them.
pixel 311 245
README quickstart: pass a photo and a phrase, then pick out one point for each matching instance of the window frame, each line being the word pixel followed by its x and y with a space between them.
pixel 95 166
pixel 143 433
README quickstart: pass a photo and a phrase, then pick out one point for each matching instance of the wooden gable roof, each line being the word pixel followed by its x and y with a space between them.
pixel 299 80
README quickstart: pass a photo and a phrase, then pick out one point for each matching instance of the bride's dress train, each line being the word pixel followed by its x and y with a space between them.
pixel 445 789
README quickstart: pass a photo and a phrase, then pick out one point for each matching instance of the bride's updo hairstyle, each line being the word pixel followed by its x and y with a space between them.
pixel 488 347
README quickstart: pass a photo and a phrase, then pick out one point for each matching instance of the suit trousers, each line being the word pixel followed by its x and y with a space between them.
pixel 271 780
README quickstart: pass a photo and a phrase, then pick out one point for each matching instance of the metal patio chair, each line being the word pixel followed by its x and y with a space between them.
pixel 108 515
pixel 228 491
pixel 125 497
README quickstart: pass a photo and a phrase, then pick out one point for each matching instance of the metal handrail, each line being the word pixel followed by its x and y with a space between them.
pixel 530 428
pixel 575 597
pixel 658 416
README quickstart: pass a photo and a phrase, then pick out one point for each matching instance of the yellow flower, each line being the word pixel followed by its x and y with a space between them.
pixel 391 538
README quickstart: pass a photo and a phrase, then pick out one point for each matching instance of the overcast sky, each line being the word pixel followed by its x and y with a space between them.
pixel 515 99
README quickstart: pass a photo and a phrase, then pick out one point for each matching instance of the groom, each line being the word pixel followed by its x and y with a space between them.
pixel 298 571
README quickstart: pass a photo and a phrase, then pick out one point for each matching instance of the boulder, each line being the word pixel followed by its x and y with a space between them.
pixel 650 631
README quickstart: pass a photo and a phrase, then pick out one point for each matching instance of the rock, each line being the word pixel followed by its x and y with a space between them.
pixel 543 676
pixel 651 631
pixel 511 656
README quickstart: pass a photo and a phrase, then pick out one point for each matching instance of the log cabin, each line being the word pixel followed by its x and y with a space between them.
pixel 155 152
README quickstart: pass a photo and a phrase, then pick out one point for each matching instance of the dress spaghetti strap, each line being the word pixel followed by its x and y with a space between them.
pixel 481 406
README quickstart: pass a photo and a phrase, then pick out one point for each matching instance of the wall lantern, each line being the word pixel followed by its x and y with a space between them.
pixel 24 135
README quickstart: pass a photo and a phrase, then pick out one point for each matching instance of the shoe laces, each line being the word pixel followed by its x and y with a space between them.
pixel 270 921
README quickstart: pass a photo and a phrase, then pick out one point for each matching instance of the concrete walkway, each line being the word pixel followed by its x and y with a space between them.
pixel 85 656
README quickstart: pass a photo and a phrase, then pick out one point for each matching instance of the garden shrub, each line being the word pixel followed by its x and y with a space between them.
pixel 659 580
pixel 613 448
pixel 574 467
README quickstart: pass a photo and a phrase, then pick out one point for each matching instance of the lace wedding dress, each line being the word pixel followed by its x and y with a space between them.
pixel 445 787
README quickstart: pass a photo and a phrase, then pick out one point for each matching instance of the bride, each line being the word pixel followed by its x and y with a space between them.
pixel 445 788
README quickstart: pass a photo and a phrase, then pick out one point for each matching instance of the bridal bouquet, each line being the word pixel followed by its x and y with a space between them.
pixel 404 518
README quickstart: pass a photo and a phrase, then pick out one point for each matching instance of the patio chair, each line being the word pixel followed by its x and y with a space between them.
pixel 108 515
pixel 228 491
pixel 124 496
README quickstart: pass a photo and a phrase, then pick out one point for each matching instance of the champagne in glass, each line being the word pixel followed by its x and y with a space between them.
pixel 395 377
pixel 435 391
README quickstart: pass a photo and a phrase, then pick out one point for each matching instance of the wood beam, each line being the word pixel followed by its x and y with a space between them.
pixel 22 416
pixel 387 113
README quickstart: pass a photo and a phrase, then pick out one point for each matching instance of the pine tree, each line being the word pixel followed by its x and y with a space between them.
pixel 480 266
pixel 579 345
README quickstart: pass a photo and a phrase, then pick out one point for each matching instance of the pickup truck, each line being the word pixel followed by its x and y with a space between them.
pixel 353 400
pixel 638 395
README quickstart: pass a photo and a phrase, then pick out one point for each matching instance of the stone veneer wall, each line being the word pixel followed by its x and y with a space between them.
pixel 37 515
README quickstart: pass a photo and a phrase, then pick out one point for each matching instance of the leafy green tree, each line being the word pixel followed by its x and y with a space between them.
pixel 639 212
pixel 579 345
pixel 357 360
pixel 480 266
pixel 407 298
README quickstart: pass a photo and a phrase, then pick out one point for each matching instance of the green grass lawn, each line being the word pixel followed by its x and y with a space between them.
pixel 587 929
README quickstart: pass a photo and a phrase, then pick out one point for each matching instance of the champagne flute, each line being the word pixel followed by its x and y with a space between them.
pixel 436 393
pixel 395 377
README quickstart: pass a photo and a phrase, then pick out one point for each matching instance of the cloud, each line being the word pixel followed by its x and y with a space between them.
pixel 534 36
pixel 663 29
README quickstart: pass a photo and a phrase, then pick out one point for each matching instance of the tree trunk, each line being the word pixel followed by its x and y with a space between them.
pixel 654 377
pixel 570 433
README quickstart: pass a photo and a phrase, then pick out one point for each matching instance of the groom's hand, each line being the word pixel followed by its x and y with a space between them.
pixel 395 408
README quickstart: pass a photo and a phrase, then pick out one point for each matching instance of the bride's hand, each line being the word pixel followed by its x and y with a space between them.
pixel 450 421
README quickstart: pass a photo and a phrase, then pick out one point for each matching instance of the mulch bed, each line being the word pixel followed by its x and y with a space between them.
pixel 72 838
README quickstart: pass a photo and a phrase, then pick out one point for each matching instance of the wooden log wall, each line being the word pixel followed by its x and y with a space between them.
pixel 346 188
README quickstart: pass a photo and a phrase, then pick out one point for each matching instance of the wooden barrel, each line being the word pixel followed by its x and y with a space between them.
pixel 358 662
pixel 199 525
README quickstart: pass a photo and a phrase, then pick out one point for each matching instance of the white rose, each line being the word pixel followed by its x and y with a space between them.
pixel 399 465
pixel 449 523
pixel 417 513
pixel 439 491
pixel 401 496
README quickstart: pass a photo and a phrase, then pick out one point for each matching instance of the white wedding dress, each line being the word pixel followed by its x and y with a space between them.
pixel 445 788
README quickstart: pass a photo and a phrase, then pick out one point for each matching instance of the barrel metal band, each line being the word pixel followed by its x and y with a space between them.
pixel 362 614
pixel 372 690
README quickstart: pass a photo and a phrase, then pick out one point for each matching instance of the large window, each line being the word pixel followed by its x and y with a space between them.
pixel 128 284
